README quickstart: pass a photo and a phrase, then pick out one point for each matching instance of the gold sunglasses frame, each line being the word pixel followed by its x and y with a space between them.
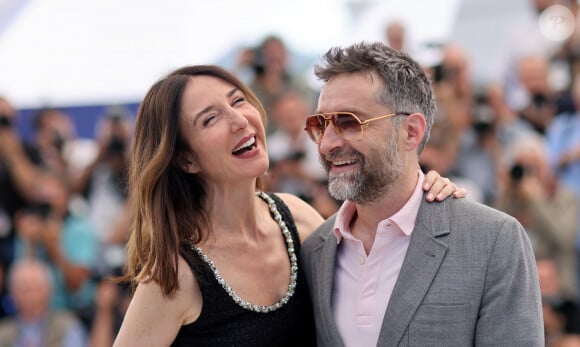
pixel 328 118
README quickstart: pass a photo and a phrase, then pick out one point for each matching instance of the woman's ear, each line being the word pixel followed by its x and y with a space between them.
pixel 187 163
pixel 415 126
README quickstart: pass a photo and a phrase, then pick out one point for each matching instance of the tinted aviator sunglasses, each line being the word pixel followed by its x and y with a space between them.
pixel 346 124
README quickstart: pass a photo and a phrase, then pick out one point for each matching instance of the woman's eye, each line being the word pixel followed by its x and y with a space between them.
pixel 209 119
pixel 238 100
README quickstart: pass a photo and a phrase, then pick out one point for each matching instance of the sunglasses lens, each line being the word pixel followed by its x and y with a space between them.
pixel 315 126
pixel 348 126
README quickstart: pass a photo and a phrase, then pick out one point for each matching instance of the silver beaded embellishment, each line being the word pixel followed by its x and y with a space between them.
pixel 291 254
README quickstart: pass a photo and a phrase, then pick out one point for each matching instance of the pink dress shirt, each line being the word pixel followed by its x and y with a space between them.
pixel 363 283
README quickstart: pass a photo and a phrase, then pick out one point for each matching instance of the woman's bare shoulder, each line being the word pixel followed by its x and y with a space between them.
pixel 305 216
pixel 154 318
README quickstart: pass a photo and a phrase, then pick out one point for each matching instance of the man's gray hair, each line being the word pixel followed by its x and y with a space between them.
pixel 407 87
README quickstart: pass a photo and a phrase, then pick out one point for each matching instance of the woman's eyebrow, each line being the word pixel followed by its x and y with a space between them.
pixel 229 95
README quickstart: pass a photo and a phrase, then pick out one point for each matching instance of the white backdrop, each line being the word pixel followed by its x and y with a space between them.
pixel 70 52
pixel 67 51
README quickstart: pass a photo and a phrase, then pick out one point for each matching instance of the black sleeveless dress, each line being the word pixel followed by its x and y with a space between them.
pixel 223 322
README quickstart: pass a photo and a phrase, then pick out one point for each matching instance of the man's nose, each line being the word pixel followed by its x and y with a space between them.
pixel 329 140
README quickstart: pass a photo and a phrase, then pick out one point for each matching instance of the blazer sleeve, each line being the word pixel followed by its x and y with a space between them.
pixel 511 292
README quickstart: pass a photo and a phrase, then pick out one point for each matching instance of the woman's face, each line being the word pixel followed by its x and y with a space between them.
pixel 223 131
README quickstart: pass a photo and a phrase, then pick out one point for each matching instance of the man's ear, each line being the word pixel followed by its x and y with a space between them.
pixel 415 126
pixel 186 162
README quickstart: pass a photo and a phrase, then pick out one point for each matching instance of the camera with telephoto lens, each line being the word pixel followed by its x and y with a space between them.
pixel 518 171
pixel 539 100
pixel 40 209
pixel 58 141
pixel 294 156
pixel 5 121
pixel 116 146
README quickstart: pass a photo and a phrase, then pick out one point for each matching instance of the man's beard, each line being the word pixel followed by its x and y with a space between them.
pixel 376 176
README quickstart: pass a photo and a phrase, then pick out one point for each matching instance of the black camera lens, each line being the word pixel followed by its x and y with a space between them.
pixel 297 155
pixel 539 100
pixel 41 209
pixel 116 146
pixel 5 121
pixel 517 172
pixel 58 141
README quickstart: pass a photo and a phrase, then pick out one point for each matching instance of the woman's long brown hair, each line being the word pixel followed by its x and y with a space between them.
pixel 168 204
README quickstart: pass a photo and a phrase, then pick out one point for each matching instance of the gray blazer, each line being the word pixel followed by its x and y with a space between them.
pixel 468 279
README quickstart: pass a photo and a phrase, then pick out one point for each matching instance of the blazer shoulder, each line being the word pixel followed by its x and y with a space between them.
pixel 320 234
pixel 475 217
pixel 473 210
pixel 464 217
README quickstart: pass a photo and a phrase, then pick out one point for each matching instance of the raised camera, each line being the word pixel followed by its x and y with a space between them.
pixel 41 209
pixel 116 146
pixel 517 172
pixel 5 121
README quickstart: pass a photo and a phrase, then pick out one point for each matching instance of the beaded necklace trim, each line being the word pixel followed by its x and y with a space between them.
pixel 291 254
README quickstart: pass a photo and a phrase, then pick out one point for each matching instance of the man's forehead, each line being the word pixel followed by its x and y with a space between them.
pixel 345 91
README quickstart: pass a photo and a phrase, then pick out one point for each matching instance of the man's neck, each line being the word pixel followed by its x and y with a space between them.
pixel 368 216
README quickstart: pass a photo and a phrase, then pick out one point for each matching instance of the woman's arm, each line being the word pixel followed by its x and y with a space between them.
pixel 153 319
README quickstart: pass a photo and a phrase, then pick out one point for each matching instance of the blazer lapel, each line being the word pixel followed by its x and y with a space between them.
pixel 422 261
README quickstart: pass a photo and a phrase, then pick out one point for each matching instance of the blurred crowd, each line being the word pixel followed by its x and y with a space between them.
pixel 513 143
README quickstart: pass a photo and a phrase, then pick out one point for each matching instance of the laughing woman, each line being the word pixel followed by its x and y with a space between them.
pixel 214 260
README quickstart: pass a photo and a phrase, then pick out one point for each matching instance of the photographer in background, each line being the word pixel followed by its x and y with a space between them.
pixel 103 184
pixel 441 153
pixel 52 232
pixel 17 177
pixel 561 314
pixel 563 141
pixel 542 105
pixel 477 149
pixel 294 161
pixel 54 130
pixel 271 64
pixel 547 211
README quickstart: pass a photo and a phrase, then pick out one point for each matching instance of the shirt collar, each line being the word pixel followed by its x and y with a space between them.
pixel 404 218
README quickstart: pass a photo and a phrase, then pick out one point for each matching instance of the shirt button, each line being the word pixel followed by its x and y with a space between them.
pixel 361 260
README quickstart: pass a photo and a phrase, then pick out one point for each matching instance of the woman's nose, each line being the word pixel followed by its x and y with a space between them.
pixel 237 119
